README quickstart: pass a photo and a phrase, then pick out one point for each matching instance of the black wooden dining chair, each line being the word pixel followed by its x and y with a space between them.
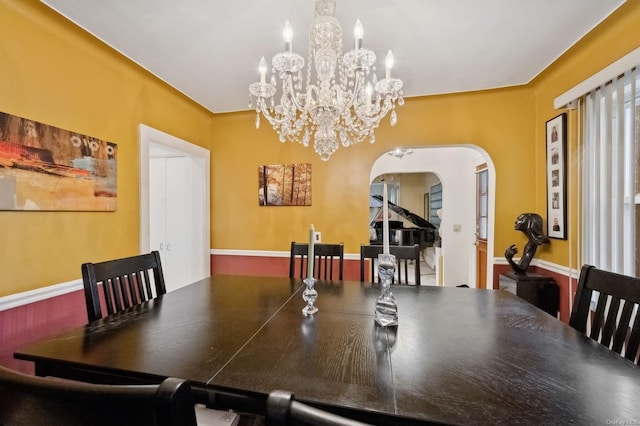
pixel 123 283
pixel 283 409
pixel 327 257
pixel 617 299
pixel 33 400
pixel 406 256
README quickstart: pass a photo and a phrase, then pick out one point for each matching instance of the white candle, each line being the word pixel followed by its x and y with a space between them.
pixel 287 34
pixel 389 62
pixel 262 69
pixel 310 255
pixel 358 32
pixel 385 220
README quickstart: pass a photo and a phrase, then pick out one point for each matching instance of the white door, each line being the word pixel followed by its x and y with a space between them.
pixel 179 226
pixel 171 217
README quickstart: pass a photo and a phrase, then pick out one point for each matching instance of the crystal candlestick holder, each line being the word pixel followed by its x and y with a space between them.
pixel 386 308
pixel 309 295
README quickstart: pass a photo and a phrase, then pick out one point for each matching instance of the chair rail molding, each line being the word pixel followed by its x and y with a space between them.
pixel 40 294
pixel 549 266
pixel 268 253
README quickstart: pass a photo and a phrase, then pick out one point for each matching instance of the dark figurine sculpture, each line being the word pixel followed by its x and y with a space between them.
pixel 531 225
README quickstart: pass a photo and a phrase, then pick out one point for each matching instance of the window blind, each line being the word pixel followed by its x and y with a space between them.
pixel 609 174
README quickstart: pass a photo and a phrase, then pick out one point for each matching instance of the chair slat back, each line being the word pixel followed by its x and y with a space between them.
pixel 327 257
pixel 32 400
pixel 123 283
pixel 405 256
pixel 369 254
pixel 614 321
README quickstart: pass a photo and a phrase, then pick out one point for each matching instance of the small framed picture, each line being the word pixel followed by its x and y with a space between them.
pixel 556 134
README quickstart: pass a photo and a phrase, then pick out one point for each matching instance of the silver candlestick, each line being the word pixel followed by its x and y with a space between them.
pixel 386 308
pixel 309 295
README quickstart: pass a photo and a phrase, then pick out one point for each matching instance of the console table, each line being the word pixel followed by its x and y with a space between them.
pixel 537 289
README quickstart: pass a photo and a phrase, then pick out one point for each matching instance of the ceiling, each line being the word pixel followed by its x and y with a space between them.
pixel 209 49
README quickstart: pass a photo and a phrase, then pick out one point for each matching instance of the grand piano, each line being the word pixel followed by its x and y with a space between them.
pixel 424 233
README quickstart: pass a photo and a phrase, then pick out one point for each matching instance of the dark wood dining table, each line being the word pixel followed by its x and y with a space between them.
pixel 458 355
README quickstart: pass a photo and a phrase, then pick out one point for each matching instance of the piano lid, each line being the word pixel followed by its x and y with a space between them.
pixel 411 217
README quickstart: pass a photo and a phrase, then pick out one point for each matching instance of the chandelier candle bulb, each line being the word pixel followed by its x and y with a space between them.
pixel 287 34
pixel 310 254
pixel 262 68
pixel 358 32
pixel 385 220
pixel 388 62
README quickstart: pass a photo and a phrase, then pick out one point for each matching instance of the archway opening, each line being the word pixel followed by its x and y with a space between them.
pixel 455 167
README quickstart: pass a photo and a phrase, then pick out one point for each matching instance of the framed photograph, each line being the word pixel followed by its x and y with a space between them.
pixel 556 134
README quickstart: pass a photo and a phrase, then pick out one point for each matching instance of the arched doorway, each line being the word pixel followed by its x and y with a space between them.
pixel 456 168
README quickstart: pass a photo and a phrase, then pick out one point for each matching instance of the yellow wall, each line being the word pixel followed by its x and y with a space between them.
pixel 55 73
pixel 500 121
pixel 614 38
pixel 412 192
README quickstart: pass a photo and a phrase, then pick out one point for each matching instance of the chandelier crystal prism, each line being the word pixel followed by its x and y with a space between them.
pixel 339 101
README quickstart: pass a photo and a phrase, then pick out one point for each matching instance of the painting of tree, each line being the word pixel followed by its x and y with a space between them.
pixel 284 184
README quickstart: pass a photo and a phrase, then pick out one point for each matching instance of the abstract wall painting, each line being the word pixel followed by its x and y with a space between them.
pixel 284 185
pixel 51 169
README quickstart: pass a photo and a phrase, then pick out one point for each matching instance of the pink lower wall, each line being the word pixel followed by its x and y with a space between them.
pixel 279 266
pixel 25 324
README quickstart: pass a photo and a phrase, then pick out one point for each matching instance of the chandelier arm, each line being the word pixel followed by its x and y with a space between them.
pixel 370 119
pixel 311 90
pixel 387 103
pixel 271 118
pixel 294 99
pixel 360 132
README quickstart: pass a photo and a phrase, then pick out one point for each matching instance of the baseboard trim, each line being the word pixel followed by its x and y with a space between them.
pixel 40 294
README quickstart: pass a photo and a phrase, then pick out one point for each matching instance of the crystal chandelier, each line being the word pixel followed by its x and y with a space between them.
pixel 341 99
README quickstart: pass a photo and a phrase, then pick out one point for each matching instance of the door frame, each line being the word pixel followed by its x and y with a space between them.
pixel 481 243
pixel 155 140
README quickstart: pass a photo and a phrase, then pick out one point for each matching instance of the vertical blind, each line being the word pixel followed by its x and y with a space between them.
pixel 609 166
